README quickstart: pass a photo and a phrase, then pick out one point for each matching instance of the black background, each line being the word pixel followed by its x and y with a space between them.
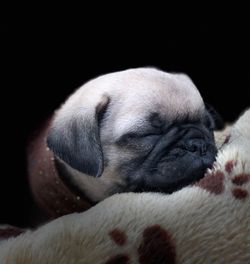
pixel 45 57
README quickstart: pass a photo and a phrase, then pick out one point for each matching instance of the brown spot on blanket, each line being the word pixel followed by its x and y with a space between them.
pixel 229 166
pixel 241 179
pixel 239 193
pixel 157 246
pixel 118 236
pixel 118 259
pixel 212 182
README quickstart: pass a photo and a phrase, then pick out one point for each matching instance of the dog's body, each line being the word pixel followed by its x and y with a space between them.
pixel 135 130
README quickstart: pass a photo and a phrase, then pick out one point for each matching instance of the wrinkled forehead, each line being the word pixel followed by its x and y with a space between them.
pixel 166 100
pixel 150 119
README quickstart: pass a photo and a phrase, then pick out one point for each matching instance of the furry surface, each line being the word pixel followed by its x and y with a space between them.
pixel 208 222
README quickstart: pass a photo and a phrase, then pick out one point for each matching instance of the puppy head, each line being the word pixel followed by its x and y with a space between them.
pixel 135 130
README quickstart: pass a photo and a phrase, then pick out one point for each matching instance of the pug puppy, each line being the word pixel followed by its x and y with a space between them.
pixel 132 131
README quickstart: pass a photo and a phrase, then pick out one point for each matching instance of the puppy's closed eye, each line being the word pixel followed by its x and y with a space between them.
pixel 137 139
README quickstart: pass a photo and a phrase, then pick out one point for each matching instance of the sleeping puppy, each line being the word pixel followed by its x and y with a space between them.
pixel 131 131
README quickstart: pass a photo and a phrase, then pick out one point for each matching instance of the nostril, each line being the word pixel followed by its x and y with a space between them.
pixel 196 146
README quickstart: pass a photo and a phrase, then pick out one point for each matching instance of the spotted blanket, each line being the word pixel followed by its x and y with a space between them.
pixel 208 222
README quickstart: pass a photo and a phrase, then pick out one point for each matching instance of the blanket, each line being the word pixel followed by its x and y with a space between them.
pixel 207 222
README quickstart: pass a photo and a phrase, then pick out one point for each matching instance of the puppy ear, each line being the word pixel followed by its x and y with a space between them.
pixel 74 137
pixel 215 116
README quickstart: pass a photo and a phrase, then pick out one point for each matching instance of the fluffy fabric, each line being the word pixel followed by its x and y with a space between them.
pixel 208 222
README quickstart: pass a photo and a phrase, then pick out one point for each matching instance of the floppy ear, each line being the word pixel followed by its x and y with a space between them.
pixel 74 137
pixel 217 119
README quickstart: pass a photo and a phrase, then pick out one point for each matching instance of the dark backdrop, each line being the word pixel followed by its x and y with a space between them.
pixel 45 60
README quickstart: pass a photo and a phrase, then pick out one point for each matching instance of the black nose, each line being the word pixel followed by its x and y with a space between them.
pixel 197 146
